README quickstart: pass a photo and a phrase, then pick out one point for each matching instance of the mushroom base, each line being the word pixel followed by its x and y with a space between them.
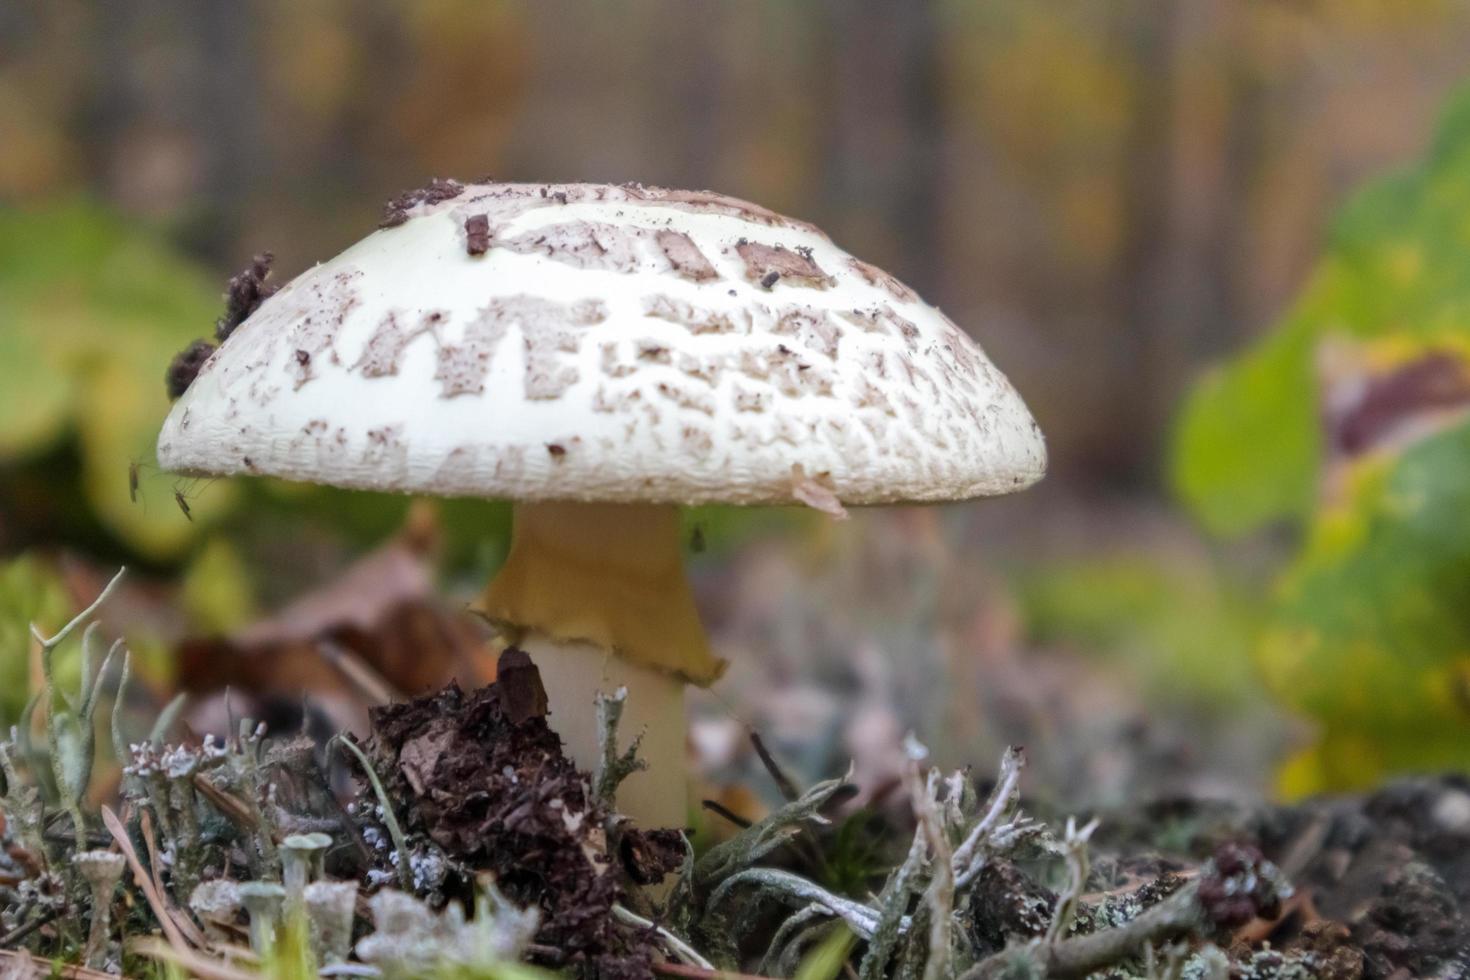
pixel 574 673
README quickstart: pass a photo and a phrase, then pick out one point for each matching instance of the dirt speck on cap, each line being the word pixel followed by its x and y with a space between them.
pixel 244 294
pixel 395 212
pixel 766 264
pixel 477 234
pixel 184 368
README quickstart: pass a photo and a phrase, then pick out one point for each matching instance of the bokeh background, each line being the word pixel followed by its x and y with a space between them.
pixel 1250 581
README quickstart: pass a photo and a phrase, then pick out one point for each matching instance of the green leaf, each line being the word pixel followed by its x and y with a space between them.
pixel 1246 448
pixel 92 309
pixel 1372 626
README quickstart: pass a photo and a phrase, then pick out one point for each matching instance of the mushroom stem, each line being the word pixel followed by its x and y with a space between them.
pixel 596 594
pixel 574 673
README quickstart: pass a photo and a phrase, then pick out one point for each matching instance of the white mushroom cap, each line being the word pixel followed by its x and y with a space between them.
pixel 609 343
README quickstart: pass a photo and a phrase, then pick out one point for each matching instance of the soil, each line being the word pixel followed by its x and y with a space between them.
pixel 1379 884
pixel 483 777
pixel 1381 881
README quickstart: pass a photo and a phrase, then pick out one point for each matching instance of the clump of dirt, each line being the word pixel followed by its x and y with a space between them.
pixel 185 366
pixel 484 778
pixel 477 234
pixel 395 212
pixel 243 295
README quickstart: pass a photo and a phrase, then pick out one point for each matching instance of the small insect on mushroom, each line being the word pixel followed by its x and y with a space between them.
pixel 133 481
pixel 183 494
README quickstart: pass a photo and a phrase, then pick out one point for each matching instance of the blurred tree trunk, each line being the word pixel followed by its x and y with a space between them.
pixel 882 82
pixel 226 105
pixel 1187 187
pixel 1142 302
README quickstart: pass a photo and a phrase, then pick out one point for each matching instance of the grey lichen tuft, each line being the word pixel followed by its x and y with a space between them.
pixel 330 910
pixel 301 864
pixel 216 904
pixel 102 870
pixel 263 900
pixel 410 940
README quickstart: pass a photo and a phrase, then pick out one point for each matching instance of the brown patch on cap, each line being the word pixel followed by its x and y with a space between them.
pixel 711 203
pixel 185 367
pixel 244 294
pixel 767 264
pixel 395 212
pixel 874 276
pixel 582 244
pixel 685 257
pixel 477 234
pixel 696 319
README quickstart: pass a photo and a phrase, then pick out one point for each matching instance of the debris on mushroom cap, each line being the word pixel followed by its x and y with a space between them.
pixel 395 212
pixel 612 343
pixel 243 295
pixel 185 367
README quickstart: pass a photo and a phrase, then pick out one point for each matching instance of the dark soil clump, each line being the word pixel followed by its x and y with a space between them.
pixel 395 212
pixel 484 778
pixel 184 368
pixel 244 294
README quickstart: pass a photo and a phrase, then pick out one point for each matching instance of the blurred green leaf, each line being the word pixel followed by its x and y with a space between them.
pixel 91 311
pixel 1372 629
pixel 1349 421
pixel 217 591
pixel 1247 449
pixel 1178 628
pixel 30 592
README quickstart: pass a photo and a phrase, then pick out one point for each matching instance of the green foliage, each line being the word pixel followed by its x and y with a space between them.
pixel 1372 628
pixel 1179 627
pixel 825 962
pixel 1369 632
pixel 91 311
pixel 29 593
pixel 1247 449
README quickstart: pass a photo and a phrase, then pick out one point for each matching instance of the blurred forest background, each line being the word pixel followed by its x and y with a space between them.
pixel 1112 197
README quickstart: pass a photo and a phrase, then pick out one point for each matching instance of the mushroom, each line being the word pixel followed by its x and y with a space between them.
pixel 599 355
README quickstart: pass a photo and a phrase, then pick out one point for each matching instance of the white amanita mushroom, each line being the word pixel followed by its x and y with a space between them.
pixel 600 354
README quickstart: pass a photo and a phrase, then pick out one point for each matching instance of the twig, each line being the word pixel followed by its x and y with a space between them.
pixel 1077 957
pixel 140 876
pixel 21 931
pixel 859 917
pixel 686 972
pixel 716 807
pixel 185 924
pixel 676 945
pixel 400 844
pixel 227 803
pixel 19 963
pixel 369 684
pixel 196 965
pixel 783 782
